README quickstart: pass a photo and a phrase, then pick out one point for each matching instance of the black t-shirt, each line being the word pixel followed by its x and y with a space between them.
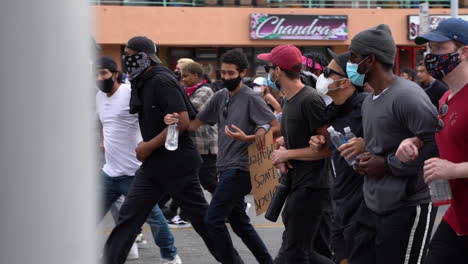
pixel 303 114
pixel 160 95
pixel 347 184
pixel 435 90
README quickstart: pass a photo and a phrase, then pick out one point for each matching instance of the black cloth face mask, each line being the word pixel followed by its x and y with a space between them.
pixel 232 84
pixel 105 85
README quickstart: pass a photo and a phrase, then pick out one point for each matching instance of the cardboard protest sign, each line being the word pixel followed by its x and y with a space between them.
pixel 263 176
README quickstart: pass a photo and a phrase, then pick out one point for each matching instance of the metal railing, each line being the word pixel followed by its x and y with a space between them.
pixel 280 3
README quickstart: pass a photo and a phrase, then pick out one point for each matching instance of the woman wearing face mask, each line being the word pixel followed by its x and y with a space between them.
pixel 260 86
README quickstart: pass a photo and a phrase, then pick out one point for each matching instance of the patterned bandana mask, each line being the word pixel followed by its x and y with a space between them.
pixel 440 65
pixel 136 64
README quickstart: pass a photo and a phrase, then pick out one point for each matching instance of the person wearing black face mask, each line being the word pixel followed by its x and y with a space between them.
pixel 155 92
pixel 108 77
pixel 235 108
pixel 120 136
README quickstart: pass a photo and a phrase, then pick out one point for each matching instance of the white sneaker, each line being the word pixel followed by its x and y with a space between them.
pixel 177 222
pixel 133 254
pixel 140 240
pixel 176 260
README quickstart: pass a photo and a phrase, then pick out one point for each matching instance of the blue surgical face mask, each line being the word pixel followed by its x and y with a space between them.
pixel 271 83
pixel 353 74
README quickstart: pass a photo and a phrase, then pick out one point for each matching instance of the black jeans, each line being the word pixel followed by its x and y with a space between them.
pixel 228 201
pixel 142 197
pixel 208 173
pixel 208 176
pixel 447 247
pixel 302 217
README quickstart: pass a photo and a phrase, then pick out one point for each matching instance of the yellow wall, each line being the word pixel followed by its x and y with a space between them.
pixel 224 26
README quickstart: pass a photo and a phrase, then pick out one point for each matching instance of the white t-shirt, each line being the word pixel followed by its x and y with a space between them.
pixel 120 130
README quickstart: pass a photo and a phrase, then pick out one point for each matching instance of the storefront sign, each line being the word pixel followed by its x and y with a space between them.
pixel 298 27
pixel 413 23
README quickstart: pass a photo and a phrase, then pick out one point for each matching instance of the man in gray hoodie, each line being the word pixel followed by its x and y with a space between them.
pixel 397 199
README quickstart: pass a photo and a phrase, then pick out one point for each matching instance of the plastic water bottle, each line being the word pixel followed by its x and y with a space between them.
pixel 338 139
pixel 441 193
pixel 349 135
pixel 172 138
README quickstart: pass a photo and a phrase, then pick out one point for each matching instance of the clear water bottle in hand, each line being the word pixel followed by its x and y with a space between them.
pixel 172 137
pixel 349 135
pixel 338 139
pixel 441 193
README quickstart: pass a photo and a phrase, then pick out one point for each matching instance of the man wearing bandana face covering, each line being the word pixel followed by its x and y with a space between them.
pixel 448 60
pixel 121 134
pixel 235 109
pixel 400 213
pixel 155 92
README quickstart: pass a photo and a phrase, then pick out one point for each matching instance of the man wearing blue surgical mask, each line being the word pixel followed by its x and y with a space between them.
pixel 397 200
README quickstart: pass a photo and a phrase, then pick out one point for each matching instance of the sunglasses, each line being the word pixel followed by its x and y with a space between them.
pixel 329 71
pixel 225 109
pixel 442 112
pixel 268 67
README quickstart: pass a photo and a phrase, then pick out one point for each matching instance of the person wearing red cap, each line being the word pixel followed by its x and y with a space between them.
pixel 303 114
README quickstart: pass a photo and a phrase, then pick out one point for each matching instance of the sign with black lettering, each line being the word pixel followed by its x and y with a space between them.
pixel 263 176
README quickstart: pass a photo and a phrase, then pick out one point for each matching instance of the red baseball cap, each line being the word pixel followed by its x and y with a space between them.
pixel 287 57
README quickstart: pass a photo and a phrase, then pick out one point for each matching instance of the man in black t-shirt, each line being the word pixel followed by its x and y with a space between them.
pixel 155 93
pixel 303 116
pixel 433 87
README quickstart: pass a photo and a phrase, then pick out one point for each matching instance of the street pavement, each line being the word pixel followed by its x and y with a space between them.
pixel 191 248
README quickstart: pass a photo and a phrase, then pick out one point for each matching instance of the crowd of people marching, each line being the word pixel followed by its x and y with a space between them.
pixel 364 152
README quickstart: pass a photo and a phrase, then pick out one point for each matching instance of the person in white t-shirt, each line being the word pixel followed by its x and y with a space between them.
pixel 121 134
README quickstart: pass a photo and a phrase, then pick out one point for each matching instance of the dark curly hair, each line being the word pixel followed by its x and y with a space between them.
pixel 236 57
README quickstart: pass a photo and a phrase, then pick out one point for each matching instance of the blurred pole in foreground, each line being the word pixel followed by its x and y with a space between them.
pixel 47 173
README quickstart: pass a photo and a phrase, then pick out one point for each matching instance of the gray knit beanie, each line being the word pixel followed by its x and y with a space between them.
pixel 377 40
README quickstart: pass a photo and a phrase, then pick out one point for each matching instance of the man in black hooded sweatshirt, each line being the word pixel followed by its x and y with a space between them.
pixel 155 93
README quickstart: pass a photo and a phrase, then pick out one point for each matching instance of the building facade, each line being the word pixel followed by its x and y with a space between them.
pixel 204 32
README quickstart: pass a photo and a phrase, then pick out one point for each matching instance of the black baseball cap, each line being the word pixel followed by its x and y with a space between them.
pixel 341 59
pixel 144 44
pixel 106 62
pixel 449 29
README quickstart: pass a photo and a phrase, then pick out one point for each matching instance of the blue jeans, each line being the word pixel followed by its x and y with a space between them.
pixel 228 201
pixel 114 187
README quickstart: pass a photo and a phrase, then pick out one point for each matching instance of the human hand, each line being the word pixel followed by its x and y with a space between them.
pixel 143 150
pixel 437 169
pixel 170 119
pixel 317 142
pixel 238 134
pixel 260 138
pixel 371 165
pixel 284 167
pixel 354 147
pixel 279 156
pixel 409 149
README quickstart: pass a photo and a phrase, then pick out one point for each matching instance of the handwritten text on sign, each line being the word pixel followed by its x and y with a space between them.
pixel 263 176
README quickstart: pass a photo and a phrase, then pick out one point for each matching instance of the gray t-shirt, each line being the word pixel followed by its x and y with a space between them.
pixel 247 110
pixel 400 112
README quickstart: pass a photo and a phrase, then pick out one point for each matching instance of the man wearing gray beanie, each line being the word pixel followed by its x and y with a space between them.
pixel 397 112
